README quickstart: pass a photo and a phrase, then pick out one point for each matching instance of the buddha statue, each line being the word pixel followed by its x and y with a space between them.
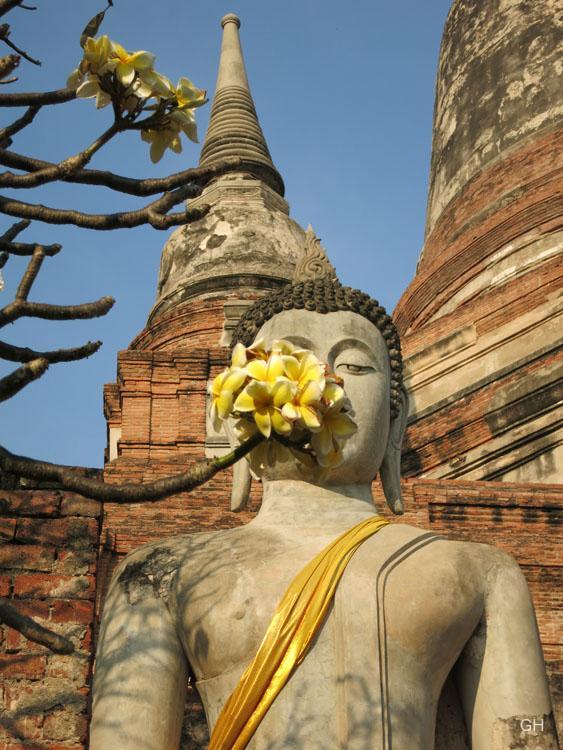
pixel 410 609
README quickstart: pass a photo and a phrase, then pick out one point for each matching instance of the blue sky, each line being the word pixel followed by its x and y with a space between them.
pixel 345 96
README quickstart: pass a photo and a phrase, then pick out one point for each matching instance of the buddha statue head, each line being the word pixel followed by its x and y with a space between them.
pixel 352 333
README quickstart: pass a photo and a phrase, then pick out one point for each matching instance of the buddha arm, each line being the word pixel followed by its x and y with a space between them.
pixel 501 674
pixel 141 675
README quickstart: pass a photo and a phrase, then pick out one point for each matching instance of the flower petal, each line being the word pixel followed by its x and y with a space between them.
pixel 238 357
pixel 275 368
pixel 257 369
pixel 244 402
pixel 342 425
pixel 280 425
pixel 158 147
pixel 311 393
pixel 142 60
pixel 88 89
pixel 322 442
pixel 263 421
pixel 310 418
pixel 74 79
pixel 291 365
pixel 234 379
pixel 290 411
pixel 282 392
pixel 125 73
pixel 224 404
pixel 102 99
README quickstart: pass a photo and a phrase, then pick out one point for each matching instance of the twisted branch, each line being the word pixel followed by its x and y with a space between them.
pixel 20 308
pixel 7 5
pixel 13 353
pixel 32 630
pixel 19 124
pixel 199 176
pixel 68 478
pixel 153 214
pixel 33 268
pixel 55 171
pixel 18 379
pixel 5 37
pixel 30 98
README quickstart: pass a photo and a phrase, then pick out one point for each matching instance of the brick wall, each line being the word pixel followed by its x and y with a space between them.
pixel 48 561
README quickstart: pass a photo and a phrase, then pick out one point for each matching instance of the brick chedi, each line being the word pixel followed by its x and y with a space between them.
pixel 481 321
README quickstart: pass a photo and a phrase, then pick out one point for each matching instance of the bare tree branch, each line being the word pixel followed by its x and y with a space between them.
pixel 7 5
pixel 28 99
pixel 18 379
pixel 60 170
pixel 19 124
pixel 32 630
pixel 200 176
pixel 153 214
pixel 8 64
pixel 66 476
pixel 12 232
pixel 28 248
pixel 21 308
pixel 13 353
pixel 5 37
pixel 33 268
pixel 3 259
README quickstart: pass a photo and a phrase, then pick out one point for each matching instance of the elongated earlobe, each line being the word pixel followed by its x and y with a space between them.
pixel 240 491
pixel 390 470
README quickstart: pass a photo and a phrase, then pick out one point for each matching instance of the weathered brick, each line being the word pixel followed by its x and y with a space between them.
pixel 72 611
pixel 27 666
pixel 77 505
pixel 73 669
pixel 5 585
pixel 29 502
pixel 41 585
pixel 75 561
pixel 70 531
pixel 64 724
pixel 7 529
pixel 26 556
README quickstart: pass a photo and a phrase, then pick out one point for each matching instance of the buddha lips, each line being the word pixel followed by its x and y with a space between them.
pixel 287 395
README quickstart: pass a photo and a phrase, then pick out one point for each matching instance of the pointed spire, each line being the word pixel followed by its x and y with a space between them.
pixel 234 129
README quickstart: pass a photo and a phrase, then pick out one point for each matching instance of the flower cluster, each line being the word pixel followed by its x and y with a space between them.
pixel 109 72
pixel 287 394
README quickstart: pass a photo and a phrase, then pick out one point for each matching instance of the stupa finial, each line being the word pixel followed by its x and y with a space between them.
pixel 234 130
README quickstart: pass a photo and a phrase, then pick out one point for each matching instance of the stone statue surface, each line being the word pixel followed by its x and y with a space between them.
pixel 410 609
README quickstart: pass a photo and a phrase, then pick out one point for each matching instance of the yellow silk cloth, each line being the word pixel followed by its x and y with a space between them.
pixel 297 619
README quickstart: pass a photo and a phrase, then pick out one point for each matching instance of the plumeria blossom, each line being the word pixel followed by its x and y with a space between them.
pixel 222 391
pixel 290 397
pixel 336 426
pixel 160 140
pixel 108 72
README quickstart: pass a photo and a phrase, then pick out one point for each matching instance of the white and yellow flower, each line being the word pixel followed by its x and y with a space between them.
pixel 337 426
pixel 222 391
pixel 264 399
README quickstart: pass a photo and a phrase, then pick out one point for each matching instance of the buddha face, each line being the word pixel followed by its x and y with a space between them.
pixel 355 350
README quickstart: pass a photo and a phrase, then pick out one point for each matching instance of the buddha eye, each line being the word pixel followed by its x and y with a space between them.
pixel 354 369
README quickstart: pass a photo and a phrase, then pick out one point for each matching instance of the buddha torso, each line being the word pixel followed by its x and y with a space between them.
pixel 376 669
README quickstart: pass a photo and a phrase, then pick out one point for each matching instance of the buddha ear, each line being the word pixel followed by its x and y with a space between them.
pixel 390 469
pixel 240 490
